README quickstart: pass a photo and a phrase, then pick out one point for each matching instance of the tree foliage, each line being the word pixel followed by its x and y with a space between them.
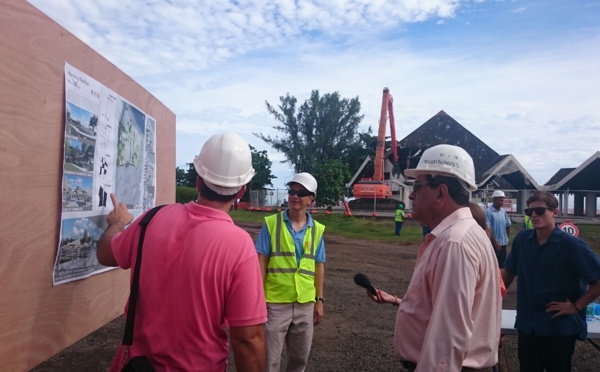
pixel 186 177
pixel 262 166
pixel 185 194
pixel 180 177
pixel 365 146
pixel 331 177
pixel 323 128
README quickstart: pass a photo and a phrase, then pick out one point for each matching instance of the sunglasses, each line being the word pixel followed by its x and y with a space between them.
pixel 300 193
pixel 539 211
pixel 418 186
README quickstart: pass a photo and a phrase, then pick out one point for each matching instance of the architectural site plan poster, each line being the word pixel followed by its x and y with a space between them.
pixel 110 147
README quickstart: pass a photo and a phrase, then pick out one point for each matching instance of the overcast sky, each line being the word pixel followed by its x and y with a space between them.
pixel 523 76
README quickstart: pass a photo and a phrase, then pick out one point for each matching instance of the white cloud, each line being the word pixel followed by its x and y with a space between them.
pixel 527 88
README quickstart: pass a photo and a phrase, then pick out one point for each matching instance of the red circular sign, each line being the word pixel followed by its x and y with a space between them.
pixel 569 228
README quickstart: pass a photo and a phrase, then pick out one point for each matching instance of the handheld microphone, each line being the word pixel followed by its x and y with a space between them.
pixel 363 281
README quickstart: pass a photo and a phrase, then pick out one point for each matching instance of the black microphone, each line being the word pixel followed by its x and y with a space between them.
pixel 363 281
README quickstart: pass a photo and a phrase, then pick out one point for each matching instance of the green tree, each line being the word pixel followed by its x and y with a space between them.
pixel 185 177
pixel 323 128
pixel 180 176
pixel 191 175
pixel 262 166
pixel 365 146
pixel 331 176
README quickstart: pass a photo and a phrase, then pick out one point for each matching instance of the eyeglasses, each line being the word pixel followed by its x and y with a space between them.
pixel 300 193
pixel 539 211
pixel 418 186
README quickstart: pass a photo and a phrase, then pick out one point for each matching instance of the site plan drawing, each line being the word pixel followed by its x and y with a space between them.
pixel 110 147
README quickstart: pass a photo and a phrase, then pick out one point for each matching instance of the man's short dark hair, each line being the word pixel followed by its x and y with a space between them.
pixel 209 194
pixel 457 192
pixel 544 196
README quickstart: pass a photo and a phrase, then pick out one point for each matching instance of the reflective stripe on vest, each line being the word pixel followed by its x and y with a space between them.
pixel 287 281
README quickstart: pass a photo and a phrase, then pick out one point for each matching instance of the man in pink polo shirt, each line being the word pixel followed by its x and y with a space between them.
pixel 449 318
pixel 199 273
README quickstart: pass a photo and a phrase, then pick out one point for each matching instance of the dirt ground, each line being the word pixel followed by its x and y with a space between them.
pixel 356 333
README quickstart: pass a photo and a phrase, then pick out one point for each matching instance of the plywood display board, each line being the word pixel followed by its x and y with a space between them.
pixel 38 320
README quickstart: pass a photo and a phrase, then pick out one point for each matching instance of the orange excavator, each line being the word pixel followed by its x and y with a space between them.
pixel 376 187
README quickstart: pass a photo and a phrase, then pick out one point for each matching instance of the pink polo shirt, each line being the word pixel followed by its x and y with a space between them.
pixel 199 275
pixel 451 314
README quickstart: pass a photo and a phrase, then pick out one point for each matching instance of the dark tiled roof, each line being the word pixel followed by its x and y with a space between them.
pixel 440 129
pixel 586 177
pixel 562 173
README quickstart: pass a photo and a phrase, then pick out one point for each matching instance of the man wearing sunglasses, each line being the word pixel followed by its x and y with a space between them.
pixel 449 318
pixel 558 276
pixel 291 253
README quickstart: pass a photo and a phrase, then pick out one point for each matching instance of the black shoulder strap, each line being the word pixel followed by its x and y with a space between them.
pixel 128 336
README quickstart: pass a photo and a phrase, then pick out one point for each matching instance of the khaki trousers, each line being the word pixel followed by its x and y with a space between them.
pixel 292 324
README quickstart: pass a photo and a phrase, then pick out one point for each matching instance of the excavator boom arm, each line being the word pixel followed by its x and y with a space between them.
pixel 380 149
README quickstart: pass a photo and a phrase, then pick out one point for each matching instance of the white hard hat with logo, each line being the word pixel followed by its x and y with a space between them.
pixel 306 180
pixel 225 163
pixel 498 194
pixel 446 160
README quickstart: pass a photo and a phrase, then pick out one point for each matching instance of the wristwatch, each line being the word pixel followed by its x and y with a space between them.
pixel 319 299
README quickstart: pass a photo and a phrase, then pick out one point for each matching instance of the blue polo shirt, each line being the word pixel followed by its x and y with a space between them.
pixel 263 242
pixel 498 221
pixel 560 269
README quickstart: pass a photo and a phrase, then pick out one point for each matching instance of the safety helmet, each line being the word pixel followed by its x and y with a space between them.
pixel 401 205
pixel 446 160
pixel 306 180
pixel 498 194
pixel 225 163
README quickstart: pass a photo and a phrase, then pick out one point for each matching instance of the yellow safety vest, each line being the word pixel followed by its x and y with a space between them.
pixel 527 222
pixel 399 217
pixel 287 281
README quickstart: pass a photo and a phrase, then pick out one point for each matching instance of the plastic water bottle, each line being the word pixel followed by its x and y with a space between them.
pixel 589 312
pixel 596 304
pixel 596 310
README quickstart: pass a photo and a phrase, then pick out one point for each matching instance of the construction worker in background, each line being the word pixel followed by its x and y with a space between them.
pixel 527 224
pixel 450 316
pixel 399 217
pixel 199 274
pixel 291 252
pixel 500 223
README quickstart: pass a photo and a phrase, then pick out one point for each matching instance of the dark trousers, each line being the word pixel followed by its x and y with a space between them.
pixel 545 353
pixel 398 227
pixel 501 256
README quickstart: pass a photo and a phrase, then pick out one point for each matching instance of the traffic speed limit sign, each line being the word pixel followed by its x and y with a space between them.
pixel 570 228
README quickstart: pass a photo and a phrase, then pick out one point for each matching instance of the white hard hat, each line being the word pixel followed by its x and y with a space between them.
pixel 225 163
pixel 498 194
pixel 446 160
pixel 306 180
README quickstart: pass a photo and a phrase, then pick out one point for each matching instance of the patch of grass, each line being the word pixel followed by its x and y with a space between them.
pixel 364 228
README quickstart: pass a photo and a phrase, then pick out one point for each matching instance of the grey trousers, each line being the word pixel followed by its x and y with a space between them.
pixel 292 324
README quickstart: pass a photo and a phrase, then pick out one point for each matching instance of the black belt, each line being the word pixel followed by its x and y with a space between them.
pixel 411 366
